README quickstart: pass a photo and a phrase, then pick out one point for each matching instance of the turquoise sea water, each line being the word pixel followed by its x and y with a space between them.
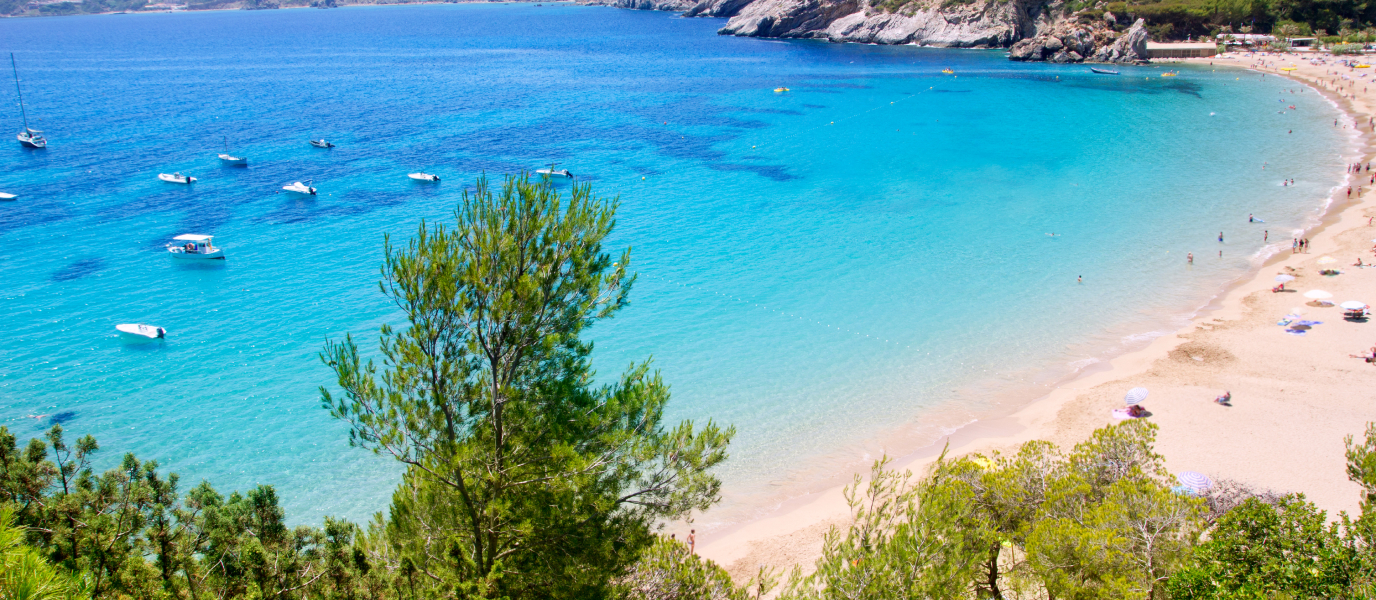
pixel 854 266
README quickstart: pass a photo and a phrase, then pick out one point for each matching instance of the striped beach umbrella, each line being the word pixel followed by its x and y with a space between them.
pixel 1135 396
pixel 1195 481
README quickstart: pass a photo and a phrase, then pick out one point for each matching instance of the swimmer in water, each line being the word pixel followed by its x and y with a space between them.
pixel 1079 279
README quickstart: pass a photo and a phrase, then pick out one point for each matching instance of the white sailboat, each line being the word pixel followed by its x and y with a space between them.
pixel 195 246
pixel 232 161
pixel 424 177
pixel 29 137
pixel 176 178
pixel 300 188
pixel 139 330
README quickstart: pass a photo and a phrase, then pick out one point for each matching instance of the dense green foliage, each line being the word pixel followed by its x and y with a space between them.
pixel 129 533
pixel 1101 522
pixel 523 478
pixel 1175 19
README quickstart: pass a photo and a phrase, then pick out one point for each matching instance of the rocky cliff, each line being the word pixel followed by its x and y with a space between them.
pixel 1069 42
pixel 1059 35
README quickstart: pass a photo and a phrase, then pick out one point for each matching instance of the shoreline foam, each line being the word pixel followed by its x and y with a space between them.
pixel 792 533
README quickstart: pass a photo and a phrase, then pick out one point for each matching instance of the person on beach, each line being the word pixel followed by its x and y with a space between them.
pixel 1189 258
pixel 1250 219
pixel 1294 245
pixel 1226 399
pixel 692 541
pixel 1220 237
pixel 1265 235
pixel 1079 279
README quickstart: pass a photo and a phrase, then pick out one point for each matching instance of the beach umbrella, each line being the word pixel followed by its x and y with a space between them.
pixel 1353 305
pixel 1317 294
pixel 1327 260
pixel 1284 278
pixel 1196 481
pixel 1135 396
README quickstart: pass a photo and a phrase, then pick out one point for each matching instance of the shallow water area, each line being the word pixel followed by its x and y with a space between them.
pixel 854 265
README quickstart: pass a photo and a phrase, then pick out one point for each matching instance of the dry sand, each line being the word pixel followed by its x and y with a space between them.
pixel 1294 397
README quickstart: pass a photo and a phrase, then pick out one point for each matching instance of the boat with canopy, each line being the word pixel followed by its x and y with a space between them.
pixel 195 246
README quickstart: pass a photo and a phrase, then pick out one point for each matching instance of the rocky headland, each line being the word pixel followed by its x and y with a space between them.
pixel 1033 30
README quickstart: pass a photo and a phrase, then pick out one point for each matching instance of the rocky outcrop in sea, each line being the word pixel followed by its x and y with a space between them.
pixel 1033 29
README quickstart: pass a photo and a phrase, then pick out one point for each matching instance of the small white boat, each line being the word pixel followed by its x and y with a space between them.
pixel 28 137
pixel 321 144
pixel 176 178
pixel 7 197
pixel 424 177
pixel 553 172
pixel 139 330
pixel 195 246
pixel 300 188
pixel 232 161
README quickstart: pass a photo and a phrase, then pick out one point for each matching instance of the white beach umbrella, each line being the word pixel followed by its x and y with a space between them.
pixel 1327 260
pixel 1284 278
pixel 1353 305
pixel 1195 481
pixel 1317 295
pixel 1135 396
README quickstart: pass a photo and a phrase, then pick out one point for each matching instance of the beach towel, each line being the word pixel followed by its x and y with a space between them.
pixel 1284 322
pixel 1295 331
pixel 1121 413
pixel 1310 323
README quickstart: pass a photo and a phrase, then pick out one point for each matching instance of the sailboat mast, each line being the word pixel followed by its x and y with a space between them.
pixel 22 112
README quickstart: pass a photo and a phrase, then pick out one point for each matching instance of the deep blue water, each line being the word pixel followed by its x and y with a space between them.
pixel 855 265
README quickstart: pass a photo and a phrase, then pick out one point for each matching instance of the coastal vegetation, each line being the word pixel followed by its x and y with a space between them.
pixel 524 478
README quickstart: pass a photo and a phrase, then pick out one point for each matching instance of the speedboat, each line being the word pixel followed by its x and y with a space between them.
pixel 300 188
pixel 1103 71
pixel 780 90
pixel 7 197
pixel 553 172
pixel 176 178
pixel 195 246
pixel 948 71
pixel 139 330
pixel 28 137
pixel 321 144
pixel 232 161
pixel 424 177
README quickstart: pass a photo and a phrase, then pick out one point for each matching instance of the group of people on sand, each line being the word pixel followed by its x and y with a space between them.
pixel 1299 245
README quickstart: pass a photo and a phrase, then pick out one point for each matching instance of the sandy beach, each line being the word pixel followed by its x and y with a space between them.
pixel 1294 397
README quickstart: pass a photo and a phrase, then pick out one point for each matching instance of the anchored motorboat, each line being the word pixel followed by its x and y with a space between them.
pixel 321 144
pixel 553 172
pixel 29 137
pixel 300 188
pixel 232 161
pixel 176 178
pixel 139 330
pixel 195 246
pixel 424 177
pixel 7 197
pixel 1103 71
